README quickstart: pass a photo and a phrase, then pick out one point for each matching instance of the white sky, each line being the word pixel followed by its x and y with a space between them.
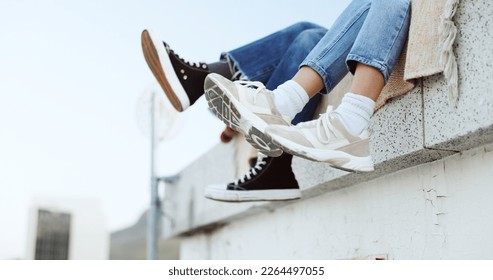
pixel 71 73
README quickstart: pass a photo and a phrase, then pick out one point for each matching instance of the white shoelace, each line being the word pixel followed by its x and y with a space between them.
pixel 323 126
pixel 257 85
pixel 201 65
pixel 254 170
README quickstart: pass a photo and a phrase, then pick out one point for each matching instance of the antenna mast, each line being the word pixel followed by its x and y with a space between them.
pixel 153 218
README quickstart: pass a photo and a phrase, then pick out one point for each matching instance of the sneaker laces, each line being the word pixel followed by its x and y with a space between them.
pixel 201 65
pixel 254 170
pixel 258 86
pixel 323 126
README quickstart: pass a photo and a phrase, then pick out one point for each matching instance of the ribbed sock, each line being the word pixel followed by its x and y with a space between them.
pixel 354 112
pixel 290 98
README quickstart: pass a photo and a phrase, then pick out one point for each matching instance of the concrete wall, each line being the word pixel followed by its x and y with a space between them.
pixel 439 210
pixel 185 206
pixel 427 197
pixel 470 124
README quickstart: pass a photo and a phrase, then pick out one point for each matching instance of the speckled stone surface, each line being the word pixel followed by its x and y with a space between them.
pixel 396 143
pixel 397 128
pixel 471 123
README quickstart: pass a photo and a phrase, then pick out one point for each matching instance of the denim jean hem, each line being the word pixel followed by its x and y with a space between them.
pixel 370 62
pixel 323 74
pixel 236 65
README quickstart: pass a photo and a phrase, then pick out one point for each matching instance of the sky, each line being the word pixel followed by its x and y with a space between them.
pixel 72 81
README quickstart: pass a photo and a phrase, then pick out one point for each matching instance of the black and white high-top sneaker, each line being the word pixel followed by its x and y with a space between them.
pixel 182 81
pixel 271 179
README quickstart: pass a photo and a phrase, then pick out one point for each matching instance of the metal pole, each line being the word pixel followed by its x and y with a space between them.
pixel 153 214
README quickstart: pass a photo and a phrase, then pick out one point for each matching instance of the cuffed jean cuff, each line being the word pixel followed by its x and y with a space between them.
pixel 329 84
pixel 234 64
pixel 351 58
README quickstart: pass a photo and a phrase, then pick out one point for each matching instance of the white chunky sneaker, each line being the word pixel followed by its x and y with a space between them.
pixel 326 140
pixel 247 107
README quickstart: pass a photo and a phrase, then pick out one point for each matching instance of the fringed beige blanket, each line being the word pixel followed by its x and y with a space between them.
pixel 429 51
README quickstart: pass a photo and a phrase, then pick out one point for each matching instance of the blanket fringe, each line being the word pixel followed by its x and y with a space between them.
pixel 448 33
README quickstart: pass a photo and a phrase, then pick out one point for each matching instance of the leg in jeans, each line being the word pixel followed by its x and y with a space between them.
pixel 288 66
pixel 271 178
pixel 286 49
pixel 367 44
pixel 366 40
pixel 258 60
pixel 370 32
pixel 182 81
pixel 274 59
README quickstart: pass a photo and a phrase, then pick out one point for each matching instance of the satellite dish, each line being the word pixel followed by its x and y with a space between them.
pixel 167 120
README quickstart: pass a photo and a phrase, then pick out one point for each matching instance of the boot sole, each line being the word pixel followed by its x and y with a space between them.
pixel 248 196
pixel 336 159
pixel 158 61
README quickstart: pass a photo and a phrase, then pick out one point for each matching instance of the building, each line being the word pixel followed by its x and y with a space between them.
pixel 66 229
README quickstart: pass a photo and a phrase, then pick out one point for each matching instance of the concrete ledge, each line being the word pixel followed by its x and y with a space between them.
pixel 411 130
pixel 397 142
pixel 437 210
pixel 186 211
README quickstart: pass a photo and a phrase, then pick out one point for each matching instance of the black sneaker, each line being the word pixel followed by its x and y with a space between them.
pixel 270 179
pixel 182 81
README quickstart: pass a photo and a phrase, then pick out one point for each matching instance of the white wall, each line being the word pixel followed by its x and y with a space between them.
pixel 439 210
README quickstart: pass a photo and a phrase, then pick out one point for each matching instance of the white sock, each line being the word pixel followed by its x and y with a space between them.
pixel 355 112
pixel 290 98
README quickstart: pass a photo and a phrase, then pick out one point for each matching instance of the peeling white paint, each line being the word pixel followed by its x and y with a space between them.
pixel 424 212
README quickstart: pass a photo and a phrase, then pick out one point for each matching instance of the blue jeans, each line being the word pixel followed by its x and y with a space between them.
pixel 371 32
pixel 275 59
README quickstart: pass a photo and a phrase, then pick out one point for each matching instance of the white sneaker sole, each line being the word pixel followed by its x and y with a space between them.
pixel 158 61
pixel 337 159
pixel 246 196
pixel 239 118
